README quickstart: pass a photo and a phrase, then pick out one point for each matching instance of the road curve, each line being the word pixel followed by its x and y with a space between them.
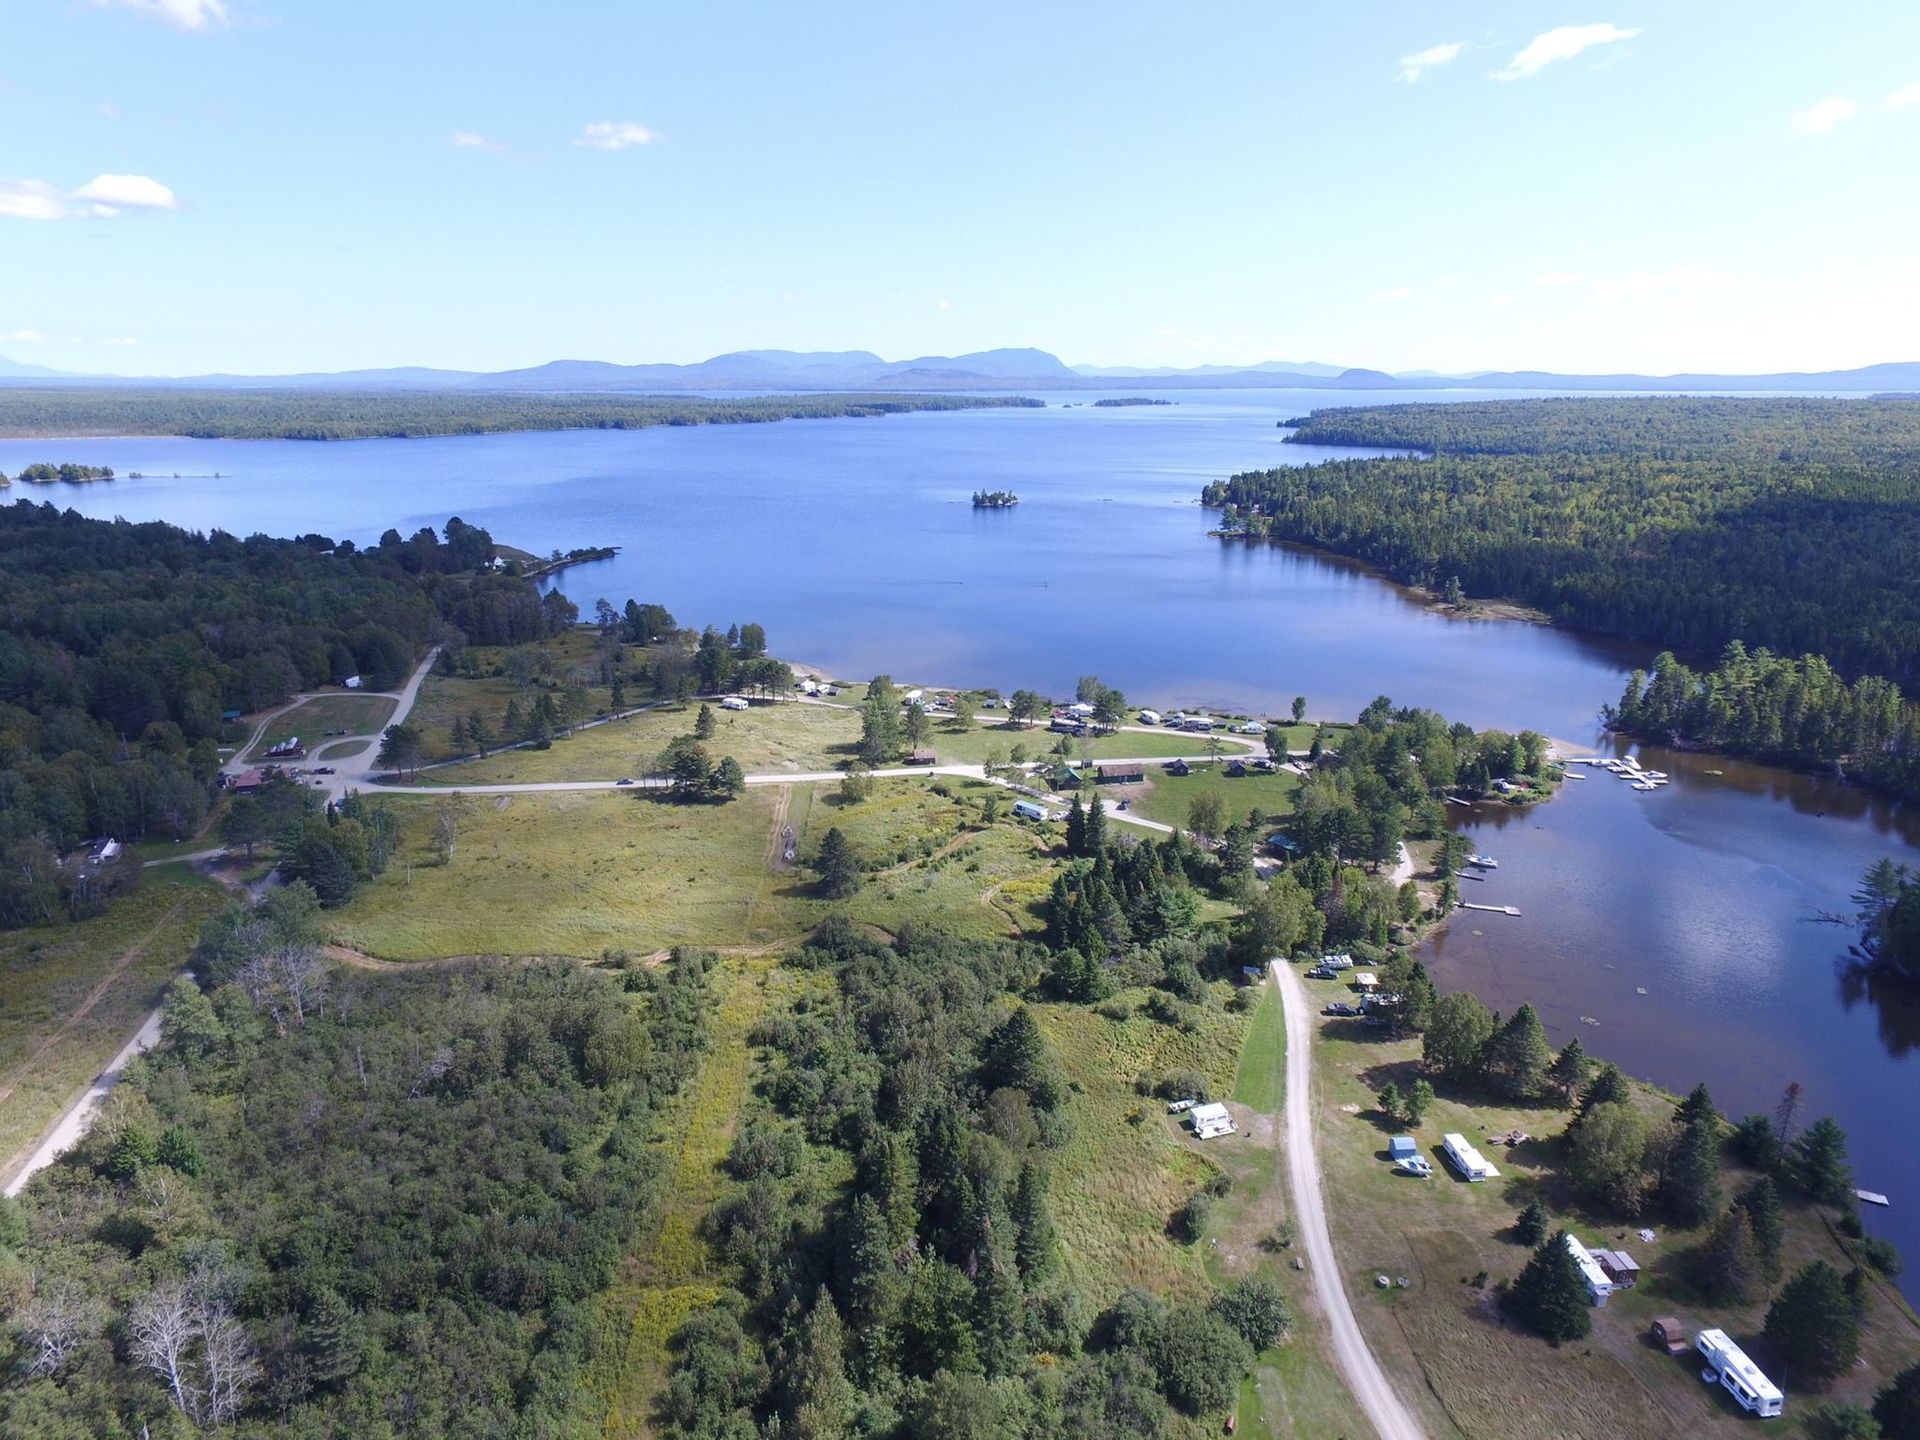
pixel 1369 1383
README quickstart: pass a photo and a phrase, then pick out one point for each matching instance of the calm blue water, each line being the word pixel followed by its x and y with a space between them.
pixel 854 543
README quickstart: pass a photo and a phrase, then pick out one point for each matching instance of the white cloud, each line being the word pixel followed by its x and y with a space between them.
pixel 109 110
pixel 1398 292
pixel 187 14
pixel 1562 44
pixel 21 337
pixel 943 304
pixel 1413 66
pixel 1903 97
pixel 1648 284
pixel 122 340
pixel 473 140
pixel 1557 277
pixel 101 198
pixel 1820 119
pixel 1504 297
pixel 110 194
pixel 615 135
pixel 30 200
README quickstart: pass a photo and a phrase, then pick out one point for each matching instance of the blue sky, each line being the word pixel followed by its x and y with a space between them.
pixel 272 185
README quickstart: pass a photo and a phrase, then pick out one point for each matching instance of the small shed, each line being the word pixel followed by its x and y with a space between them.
pixel 229 714
pixel 1622 1269
pixel 246 780
pixel 922 755
pixel 1178 767
pixel 1366 980
pixel 353 682
pixel 1125 773
pixel 1402 1147
pixel 1236 768
pixel 1210 1121
pixel 1670 1335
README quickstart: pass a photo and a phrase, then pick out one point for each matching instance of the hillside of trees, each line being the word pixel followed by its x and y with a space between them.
pixel 1794 712
pixel 350 415
pixel 336 1203
pixel 1785 523
pixel 124 646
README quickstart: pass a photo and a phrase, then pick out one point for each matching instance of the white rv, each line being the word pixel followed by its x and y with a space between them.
pixel 1210 1121
pixel 1471 1164
pixel 1599 1286
pixel 1728 1364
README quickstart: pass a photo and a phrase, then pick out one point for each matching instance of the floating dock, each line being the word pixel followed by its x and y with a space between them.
pixel 1872 1197
pixel 1491 909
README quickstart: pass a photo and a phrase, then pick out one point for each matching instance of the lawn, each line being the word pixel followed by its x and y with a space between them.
pixel 340 749
pixel 1441 1232
pixel 312 719
pixel 573 874
pixel 443 697
pixel 1167 798
pixel 764 738
pixel 48 1051
pixel 1261 1081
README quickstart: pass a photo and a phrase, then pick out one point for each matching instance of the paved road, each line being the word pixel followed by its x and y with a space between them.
pixel 71 1126
pixel 1369 1383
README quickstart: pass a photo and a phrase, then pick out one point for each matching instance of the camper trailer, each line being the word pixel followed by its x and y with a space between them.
pixel 1467 1160
pixel 1728 1364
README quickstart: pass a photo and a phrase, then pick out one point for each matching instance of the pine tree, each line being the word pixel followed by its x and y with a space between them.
pixel 1724 1266
pixel 332 1338
pixel 1859 1291
pixel 1417 1102
pixel 1818 1160
pixel 1037 1248
pixel 1811 1325
pixel 1609 1087
pixel 1389 1100
pixel 1096 837
pixel 1571 1069
pixel 703 723
pixel 457 735
pixel 1017 1054
pixel 1698 1105
pixel 836 866
pixel 1531 1227
pixel 1076 828
pixel 1761 1201
pixel 1549 1296
pixel 179 1150
pixel 1897 1407
pixel 514 725
pixel 821 1398
pixel 1692 1179
pixel 132 1153
pixel 479 733
pixel 1519 1055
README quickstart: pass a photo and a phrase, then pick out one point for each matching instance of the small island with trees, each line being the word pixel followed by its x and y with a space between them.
pixel 1115 403
pixel 44 474
pixel 994 499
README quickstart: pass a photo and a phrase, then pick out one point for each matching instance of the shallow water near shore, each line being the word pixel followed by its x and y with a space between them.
pixel 855 543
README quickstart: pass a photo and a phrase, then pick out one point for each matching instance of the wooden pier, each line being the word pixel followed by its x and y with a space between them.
pixel 1491 909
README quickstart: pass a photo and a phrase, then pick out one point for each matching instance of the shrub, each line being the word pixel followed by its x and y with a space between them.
pixel 1190 1222
pixel 1256 1310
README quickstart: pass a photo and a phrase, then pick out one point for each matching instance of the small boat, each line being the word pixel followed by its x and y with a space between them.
pixel 1645 785
pixel 1872 1197
pixel 1483 862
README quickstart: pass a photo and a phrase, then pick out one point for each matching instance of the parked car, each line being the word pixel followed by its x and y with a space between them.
pixel 1340 1007
pixel 1320 972
pixel 323 769
pixel 626 780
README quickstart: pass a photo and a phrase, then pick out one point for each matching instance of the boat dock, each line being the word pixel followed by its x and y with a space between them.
pixel 1491 909
pixel 1872 1197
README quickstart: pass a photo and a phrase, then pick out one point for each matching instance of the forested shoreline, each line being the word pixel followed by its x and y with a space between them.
pixel 1785 523
pixel 208 414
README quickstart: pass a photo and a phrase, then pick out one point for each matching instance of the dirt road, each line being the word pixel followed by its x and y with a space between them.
pixel 1369 1383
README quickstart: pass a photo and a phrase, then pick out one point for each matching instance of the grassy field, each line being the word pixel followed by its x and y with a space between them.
pixel 581 873
pixel 973 747
pixel 312 719
pixel 764 738
pixel 1167 798
pixel 340 749
pixel 934 859
pixel 1261 1081
pixel 443 697
pixel 1442 1232
pixel 71 995
pixel 671 1272
pixel 573 874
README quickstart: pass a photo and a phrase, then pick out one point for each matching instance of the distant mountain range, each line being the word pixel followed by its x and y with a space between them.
pixel 1018 369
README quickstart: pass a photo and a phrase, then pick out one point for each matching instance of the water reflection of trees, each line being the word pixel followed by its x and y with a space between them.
pixel 1895 999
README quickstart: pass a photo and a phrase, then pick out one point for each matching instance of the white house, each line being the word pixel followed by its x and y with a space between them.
pixel 1599 1287
pixel 1471 1164
pixel 1738 1375
pixel 1210 1121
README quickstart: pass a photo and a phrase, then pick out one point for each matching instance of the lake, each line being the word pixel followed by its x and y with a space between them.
pixel 854 542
